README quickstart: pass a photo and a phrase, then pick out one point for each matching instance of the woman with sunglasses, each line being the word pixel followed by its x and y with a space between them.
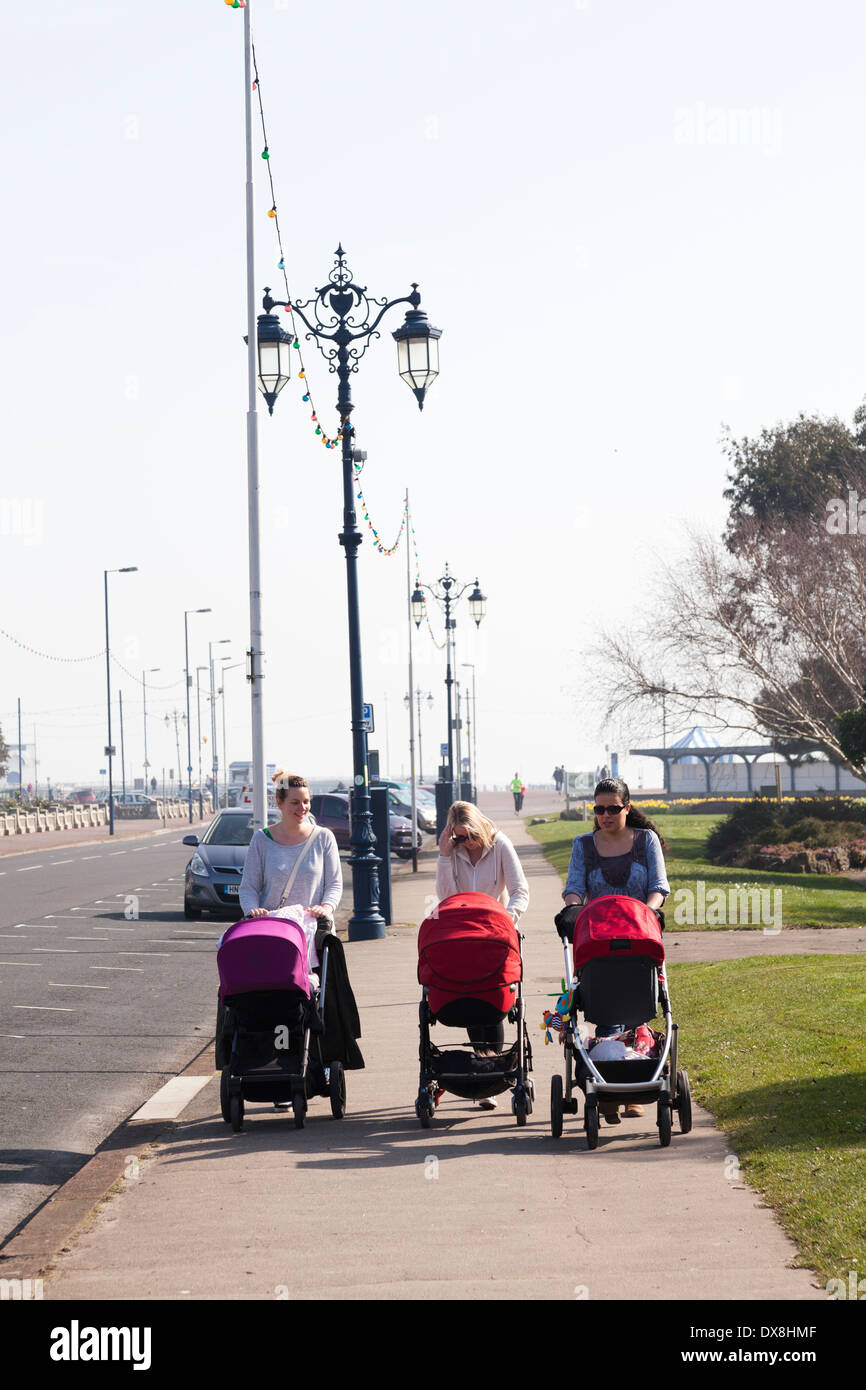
pixel 624 854
pixel 476 857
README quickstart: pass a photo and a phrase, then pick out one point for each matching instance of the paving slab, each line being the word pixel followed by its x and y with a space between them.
pixel 374 1207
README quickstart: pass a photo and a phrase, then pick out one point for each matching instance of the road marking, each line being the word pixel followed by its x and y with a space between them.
pixel 52 984
pixel 54 950
pixel 138 968
pixel 39 926
pixel 171 1098
pixel 34 963
pixel 91 856
pixel 46 1008
pixel 55 862
pixel 13 1035
pixel 14 938
pixel 170 941
pixel 27 868
pixel 80 938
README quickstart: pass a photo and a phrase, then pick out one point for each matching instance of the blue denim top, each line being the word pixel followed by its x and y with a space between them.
pixel 642 880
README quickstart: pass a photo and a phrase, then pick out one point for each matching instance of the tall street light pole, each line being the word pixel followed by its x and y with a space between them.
pixel 144 676
pixel 215 761
pixel 186 613
pixel 342 320
pixel 472 734
pixel 109 751
pixel 255 652
pixel 445 594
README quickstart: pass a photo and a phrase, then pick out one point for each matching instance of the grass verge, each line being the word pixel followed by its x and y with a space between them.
pixel 807 900
pixel 774 1049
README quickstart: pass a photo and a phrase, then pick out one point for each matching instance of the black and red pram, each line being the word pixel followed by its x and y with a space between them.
pixel 619 977
pixel 470 965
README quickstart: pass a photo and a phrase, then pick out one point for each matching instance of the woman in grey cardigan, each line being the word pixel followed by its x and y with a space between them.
pixel 273 854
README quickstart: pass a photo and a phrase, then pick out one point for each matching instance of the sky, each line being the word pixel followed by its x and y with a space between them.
pixel 635 223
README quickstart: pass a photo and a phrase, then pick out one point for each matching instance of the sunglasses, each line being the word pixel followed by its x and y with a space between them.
pixel 609 810
pixel 460 839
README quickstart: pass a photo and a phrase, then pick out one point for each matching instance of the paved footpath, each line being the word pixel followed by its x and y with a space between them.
pixel 374 1207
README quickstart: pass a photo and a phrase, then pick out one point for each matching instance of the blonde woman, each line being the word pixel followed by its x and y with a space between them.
pixel 476 857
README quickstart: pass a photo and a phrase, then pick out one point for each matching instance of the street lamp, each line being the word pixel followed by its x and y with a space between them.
pixel 179 719
pixel 444 592
pixel 472 736
pixel 220 642
pixel 342 321
pixel 222 692
pixel 198 735
pixel 407 701
pixel 186 613
pixel 144 676
pixel 109 751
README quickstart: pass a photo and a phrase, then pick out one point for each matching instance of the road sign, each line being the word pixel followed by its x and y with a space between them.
pixel 367 721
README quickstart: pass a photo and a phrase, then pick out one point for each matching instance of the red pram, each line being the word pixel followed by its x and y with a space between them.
pixel 471 968
pixel 618 977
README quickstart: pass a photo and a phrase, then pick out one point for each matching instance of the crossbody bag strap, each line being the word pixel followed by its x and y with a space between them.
pixel 293 875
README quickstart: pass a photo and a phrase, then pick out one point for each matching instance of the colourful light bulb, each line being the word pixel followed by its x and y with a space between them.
pixel 318 429
pixel 307 397
pixel 272 213
pixel 266 153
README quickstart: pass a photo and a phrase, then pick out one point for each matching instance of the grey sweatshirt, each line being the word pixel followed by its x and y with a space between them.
pixel 268 865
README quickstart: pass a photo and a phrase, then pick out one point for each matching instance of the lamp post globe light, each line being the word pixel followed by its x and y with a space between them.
pixel 447 595
pixel 342 319
pixel 109 750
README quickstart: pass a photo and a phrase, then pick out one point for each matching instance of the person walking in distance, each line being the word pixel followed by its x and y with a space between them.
pixel 517 791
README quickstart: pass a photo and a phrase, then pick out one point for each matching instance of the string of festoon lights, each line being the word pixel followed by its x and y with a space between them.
pixel 93 656
pixel 329 441
pixel 307 395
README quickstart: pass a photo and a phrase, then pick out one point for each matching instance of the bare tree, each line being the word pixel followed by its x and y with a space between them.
pixel 768 638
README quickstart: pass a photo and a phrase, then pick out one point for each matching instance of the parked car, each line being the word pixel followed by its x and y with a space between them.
pixel 400 802
pixel 83 796
pixel 331 809
pixel 213 876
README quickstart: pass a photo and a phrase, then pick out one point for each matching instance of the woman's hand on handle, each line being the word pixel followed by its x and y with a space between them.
pixel 258 912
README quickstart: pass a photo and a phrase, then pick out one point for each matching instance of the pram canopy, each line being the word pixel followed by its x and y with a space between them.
pixel 616 925
pixel 469 948
pixel 263 954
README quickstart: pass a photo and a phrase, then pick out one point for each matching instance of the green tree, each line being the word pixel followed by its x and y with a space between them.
pixel 4 755
pixel 788 473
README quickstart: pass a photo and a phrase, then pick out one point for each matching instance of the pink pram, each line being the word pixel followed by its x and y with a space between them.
pixel 271 1013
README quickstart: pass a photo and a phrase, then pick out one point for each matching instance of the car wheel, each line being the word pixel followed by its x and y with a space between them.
pixel 191 914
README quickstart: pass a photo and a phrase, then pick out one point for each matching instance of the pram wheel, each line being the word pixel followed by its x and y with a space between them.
pixel 684 1102
pixel 299 1106
pixel 663 1121
pixel 424 1108
pixel 337 1090
pixel 556 1106
pixel 236 1113
pixel 225 1102
pixel 590 1124
pixel 521 1105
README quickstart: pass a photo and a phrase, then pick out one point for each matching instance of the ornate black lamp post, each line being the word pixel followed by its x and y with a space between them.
pixel 446 594
pixel 340 322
